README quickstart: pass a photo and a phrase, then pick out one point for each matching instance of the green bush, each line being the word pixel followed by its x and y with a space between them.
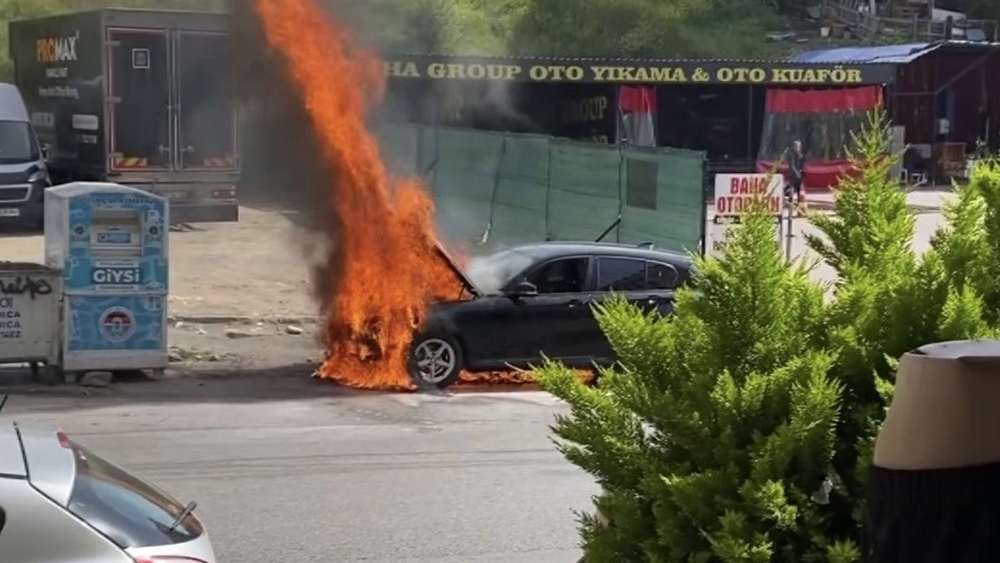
pixel 741 429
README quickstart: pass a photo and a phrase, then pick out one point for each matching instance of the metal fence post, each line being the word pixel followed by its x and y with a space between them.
pixel 704 204
pixel 622 181
pixel 548 188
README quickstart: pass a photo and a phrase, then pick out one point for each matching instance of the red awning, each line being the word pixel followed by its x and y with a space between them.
pixel 637 99
pixel 834 100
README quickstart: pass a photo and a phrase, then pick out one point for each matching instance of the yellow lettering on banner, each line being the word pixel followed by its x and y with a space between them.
pixel 436 70
pixel 509 72
pixel 638 74
pixel 667 74
pixel 835 75
pixel 399 69
pixel 473 71
pixel 556 73
pixel 49 49
pixel 604 73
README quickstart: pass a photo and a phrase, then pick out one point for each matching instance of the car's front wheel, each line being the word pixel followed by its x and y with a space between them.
pixel 436 361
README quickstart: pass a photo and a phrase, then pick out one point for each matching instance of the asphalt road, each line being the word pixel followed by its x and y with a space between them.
pixel 287 469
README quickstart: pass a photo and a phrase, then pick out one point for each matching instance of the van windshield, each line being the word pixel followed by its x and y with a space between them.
pixel 17 142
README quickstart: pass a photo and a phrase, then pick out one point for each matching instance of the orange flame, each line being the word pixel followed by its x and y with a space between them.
pixel 391 270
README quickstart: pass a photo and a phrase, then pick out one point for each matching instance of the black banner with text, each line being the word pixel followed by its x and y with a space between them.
pixel 637 71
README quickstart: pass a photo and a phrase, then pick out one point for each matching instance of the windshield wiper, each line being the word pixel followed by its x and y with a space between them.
pixel 184 514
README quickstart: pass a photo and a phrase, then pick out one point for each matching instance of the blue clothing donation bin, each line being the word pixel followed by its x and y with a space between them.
pixel 110 242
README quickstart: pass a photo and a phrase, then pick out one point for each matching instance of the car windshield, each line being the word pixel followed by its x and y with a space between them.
pixel 492 273
pixel 124 508
pixel 17 142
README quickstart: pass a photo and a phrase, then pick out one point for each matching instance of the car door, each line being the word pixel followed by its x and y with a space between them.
pixel 486 326
pixel 662 279
pixel 139 85
pixel 624 276
pixel 553 320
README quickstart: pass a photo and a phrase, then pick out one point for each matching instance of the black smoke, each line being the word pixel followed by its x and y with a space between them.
pixel 283 167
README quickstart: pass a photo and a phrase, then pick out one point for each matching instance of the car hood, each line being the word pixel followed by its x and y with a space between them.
pixel 466 282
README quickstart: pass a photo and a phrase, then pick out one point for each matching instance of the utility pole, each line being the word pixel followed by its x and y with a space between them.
pixel 789 229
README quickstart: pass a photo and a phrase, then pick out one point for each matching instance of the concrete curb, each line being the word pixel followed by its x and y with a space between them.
pixel 239 319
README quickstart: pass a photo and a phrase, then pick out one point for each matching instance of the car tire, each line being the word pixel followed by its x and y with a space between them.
pixel 436 360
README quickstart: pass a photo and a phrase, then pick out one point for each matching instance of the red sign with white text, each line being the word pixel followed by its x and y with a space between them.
pixel 735 193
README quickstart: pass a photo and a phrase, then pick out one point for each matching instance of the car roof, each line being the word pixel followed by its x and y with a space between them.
pixel 549 250
pixel 37 454
pixel 12 106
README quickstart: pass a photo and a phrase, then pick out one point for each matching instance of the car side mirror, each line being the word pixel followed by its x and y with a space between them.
pixel 523 289
pixel 46 151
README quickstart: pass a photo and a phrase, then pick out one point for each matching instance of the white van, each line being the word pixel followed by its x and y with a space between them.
pixel 23 173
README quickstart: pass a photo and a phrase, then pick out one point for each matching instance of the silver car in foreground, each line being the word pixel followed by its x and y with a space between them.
pixel 61 503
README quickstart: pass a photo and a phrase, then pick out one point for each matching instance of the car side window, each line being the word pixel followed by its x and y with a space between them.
pixel 621 274
pixel 661 276
pixel 561 276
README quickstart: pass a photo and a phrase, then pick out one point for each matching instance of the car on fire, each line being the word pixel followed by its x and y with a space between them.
pixel 536 301
pixel 62 503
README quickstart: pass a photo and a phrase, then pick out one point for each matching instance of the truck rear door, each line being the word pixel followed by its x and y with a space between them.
pixel 139 77
pixel 207 138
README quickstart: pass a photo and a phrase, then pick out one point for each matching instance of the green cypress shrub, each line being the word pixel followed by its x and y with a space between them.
pixel 742 428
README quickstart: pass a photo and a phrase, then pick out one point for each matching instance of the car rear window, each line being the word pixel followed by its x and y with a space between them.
pixel 126 509
pixel 661 276
pixel 621 274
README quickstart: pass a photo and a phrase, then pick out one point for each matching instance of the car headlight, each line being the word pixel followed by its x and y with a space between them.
pixel 39 175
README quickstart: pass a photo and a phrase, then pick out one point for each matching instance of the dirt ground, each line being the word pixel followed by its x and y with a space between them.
pixel 240 293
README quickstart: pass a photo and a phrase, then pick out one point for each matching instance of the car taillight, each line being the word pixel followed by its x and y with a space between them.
pixel 168 559
pixel 63 439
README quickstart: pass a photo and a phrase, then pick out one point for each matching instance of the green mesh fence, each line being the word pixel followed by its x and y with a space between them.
pixel 496 190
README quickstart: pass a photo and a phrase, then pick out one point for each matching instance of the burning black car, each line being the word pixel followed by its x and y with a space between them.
pixel 535 301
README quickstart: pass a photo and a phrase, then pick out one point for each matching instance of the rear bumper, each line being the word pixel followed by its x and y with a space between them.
pixel 204 213
pixel 193 201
